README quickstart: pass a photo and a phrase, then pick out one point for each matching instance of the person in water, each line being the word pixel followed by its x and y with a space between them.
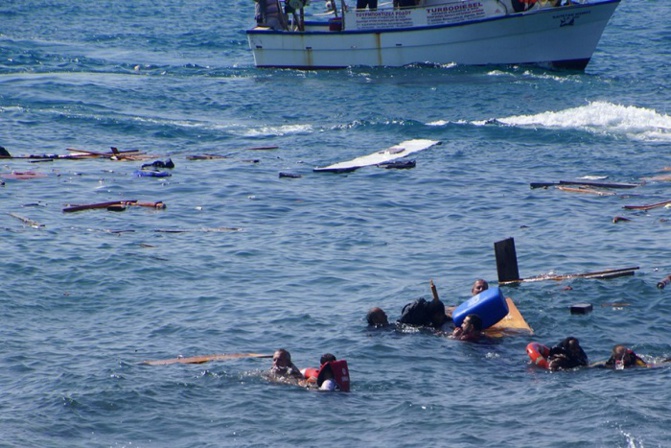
pixel 470 329
pixel 332 375
pixel 567 355
pixel 325 379
pixel 283 368
pixel 623 357
pixel 376 317
pixel 421 313
pixel 326 357
pixel 478 286
pixel 311 374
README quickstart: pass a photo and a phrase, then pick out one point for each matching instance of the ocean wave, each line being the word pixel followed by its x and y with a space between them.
pixel 636 123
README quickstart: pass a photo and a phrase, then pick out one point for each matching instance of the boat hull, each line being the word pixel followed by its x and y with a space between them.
pixel 562 37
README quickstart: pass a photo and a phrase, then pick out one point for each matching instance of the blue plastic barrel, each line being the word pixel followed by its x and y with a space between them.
pixel 490 305
pixel 141 173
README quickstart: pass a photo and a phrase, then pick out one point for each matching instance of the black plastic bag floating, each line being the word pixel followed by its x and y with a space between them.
pixel 398 165
pixel 159 164
pixel 416 313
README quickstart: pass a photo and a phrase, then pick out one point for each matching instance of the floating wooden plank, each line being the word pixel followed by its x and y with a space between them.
pixel 513 323
pixel 25 175
pixel 261 148
pixel 50 157
pixel 27 221
pixel 608 273
pixel 204 229
pixel 585 183
pixel 586 190
pixel 114 206
pixel 395 152
pixel 647 207
pixel 659 178
pixel 204 358
pixel 103 154
pixel 207 157
pixel 506 266
pixel 79 154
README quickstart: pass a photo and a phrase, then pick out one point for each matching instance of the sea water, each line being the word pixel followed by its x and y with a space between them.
pixel 245 261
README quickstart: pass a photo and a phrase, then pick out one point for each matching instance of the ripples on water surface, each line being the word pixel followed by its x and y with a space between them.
pixel 261 262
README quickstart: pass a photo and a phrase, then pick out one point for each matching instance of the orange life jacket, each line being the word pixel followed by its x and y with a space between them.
pixel 340 374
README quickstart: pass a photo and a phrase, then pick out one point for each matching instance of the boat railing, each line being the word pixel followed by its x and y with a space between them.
pixel 289 15
pixel 428 14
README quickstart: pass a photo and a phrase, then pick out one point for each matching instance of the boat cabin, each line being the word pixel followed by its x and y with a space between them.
pixel 289 15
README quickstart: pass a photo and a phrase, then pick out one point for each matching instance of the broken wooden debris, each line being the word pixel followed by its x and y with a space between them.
pixel 115 206
pixel 583 183
pixel 508 272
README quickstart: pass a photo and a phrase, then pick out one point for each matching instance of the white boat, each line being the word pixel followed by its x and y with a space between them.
pixel 464 32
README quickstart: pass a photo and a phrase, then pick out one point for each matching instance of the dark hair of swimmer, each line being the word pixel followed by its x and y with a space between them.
pixel 475 321
pixel 326 357
pixel 376 317
pixel 436 312
pixel 479 285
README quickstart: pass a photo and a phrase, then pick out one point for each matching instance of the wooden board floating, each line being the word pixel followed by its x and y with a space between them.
pixel 508 272
pixel 513 323
pixel 204 358
pixel 79 154
pixel 207 157
pixel 25 175
pixel 115 206
pixel 27 221
pixel 583 183
pixel 386 155
pixel 647 207
pixel 585 190
pixel 261 148
pixel 608 273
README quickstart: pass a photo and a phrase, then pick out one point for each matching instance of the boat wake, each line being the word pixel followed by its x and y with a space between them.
pixel 598 117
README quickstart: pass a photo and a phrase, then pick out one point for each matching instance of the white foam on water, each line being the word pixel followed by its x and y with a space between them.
pixel 278 130
pixel 636 123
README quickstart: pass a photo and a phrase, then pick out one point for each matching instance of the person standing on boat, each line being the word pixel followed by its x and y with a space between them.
pixel 269 13
pixel 405 3
pixel 363 4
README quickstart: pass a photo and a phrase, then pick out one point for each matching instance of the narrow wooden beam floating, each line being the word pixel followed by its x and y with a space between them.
pixel 585 190
pixel 103 154
pixel 647 207
pixel 204 358
pixel 262 148
pixel 27 221
pixel 608 273
pixel 585 183
pixel 508 272
pixel 114 206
